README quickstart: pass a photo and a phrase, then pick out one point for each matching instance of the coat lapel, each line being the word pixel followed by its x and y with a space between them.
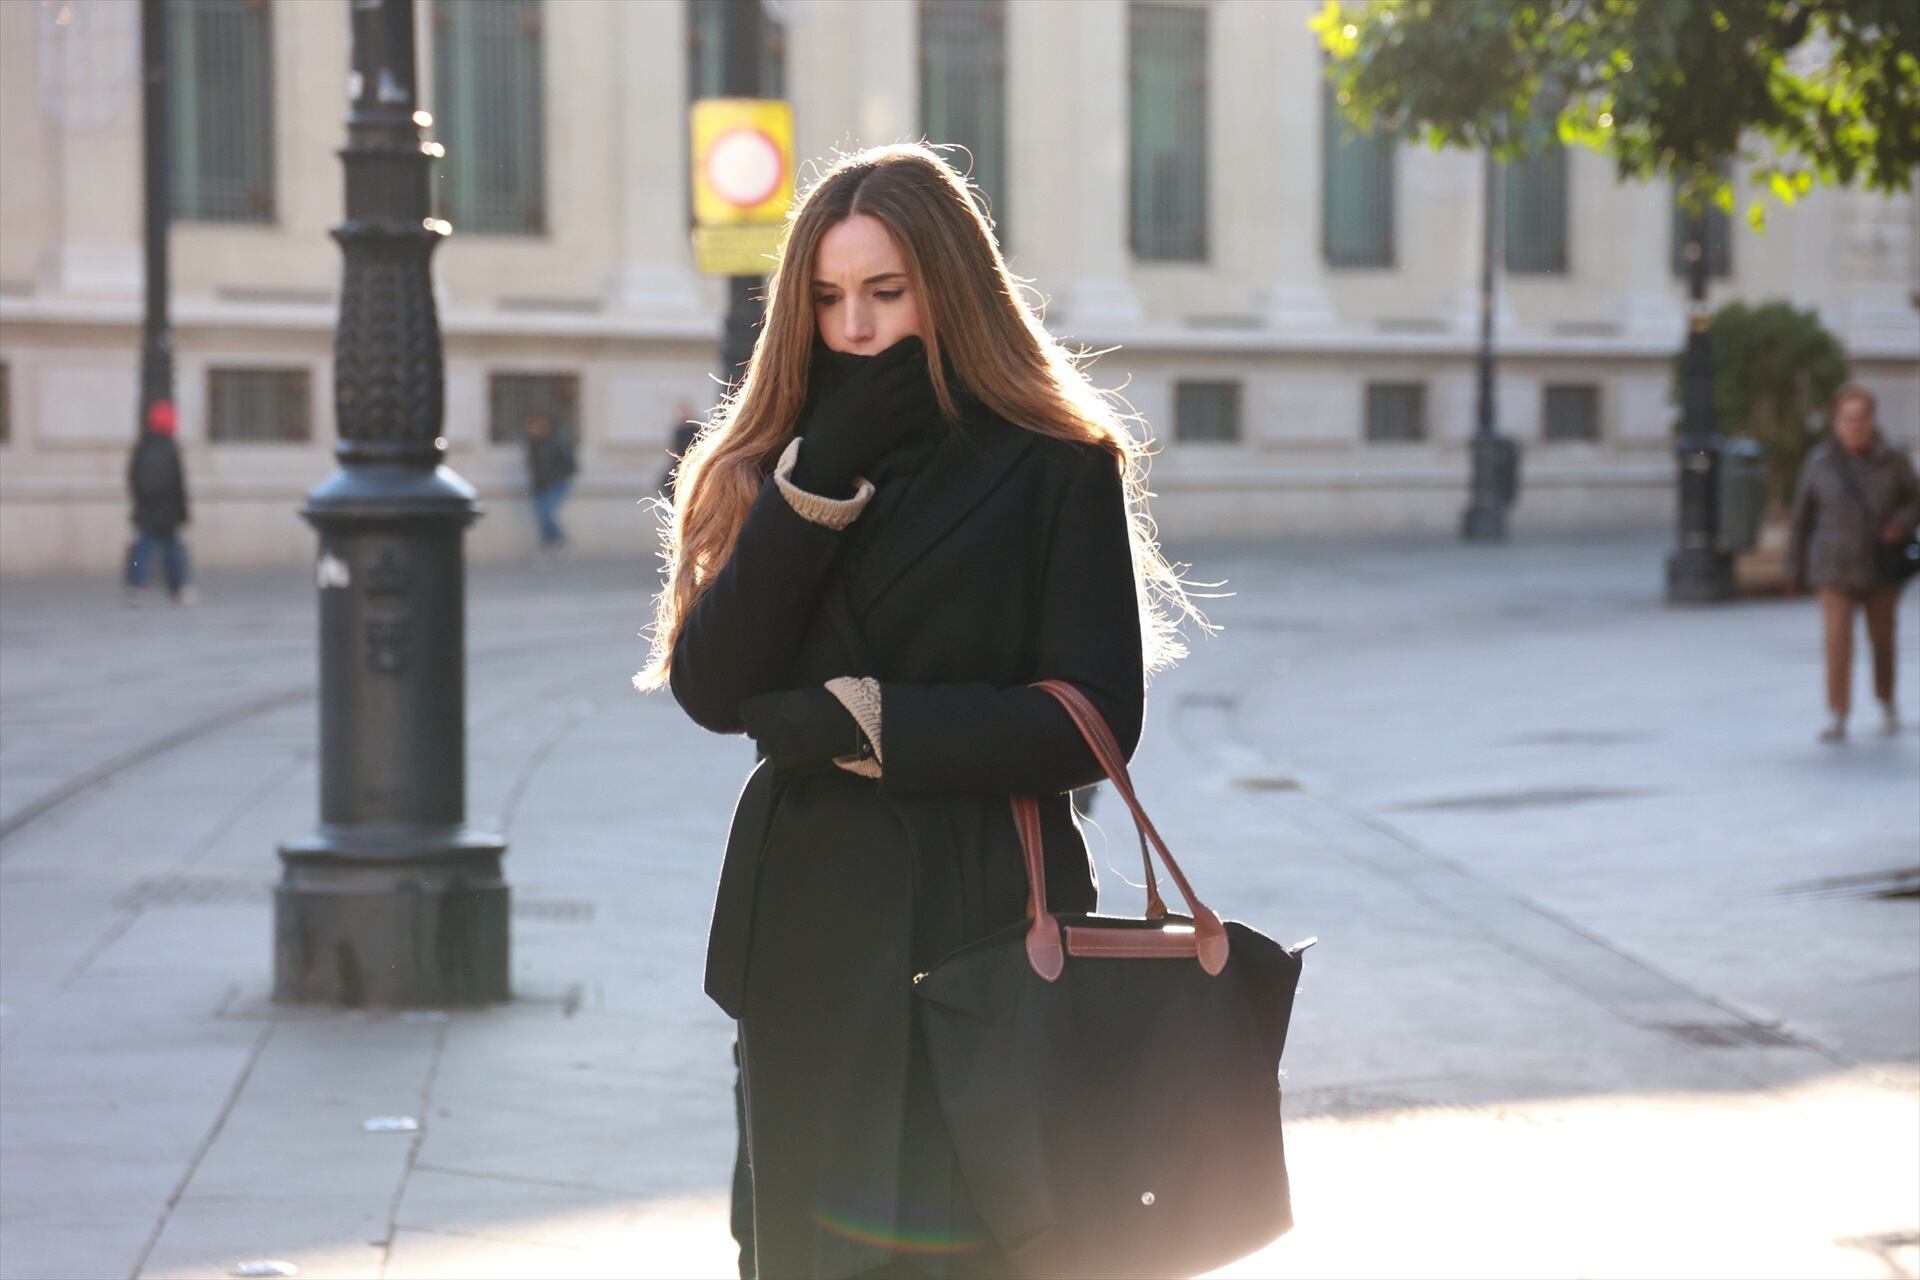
pixel 970 461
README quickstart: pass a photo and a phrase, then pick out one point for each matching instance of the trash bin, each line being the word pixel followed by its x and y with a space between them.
pixel 1743 495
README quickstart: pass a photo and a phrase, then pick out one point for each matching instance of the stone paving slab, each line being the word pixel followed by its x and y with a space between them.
pixel 103 1244
pixel 1540 823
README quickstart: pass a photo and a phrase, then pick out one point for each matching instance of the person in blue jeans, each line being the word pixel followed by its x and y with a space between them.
pixel 550 469
pixel 158 486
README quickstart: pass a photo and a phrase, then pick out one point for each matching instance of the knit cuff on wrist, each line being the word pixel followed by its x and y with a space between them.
pixel 861 698
pixel 834 513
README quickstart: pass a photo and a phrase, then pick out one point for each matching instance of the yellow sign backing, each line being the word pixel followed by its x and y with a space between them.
pixel 742 182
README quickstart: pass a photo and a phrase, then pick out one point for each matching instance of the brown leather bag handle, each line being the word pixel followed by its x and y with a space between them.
pixel 1046 948
pixel 1113 762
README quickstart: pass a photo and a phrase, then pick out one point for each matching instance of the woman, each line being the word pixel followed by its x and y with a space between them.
pixel 1854 491
pixel 913 506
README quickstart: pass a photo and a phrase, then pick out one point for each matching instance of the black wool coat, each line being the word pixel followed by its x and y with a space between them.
pixel 1005 560
pixel 157 484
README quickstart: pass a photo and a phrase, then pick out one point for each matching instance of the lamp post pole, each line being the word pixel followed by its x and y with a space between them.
pixel 156 345
pixel 744 38
pixel 1698 571
pixel 394 902
pixel 1496 458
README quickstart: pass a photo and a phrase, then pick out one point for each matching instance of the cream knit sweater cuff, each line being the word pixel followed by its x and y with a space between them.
pixel 834 513
pixel 861 697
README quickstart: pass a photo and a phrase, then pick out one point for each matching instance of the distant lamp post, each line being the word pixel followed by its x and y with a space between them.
pixel 394 902
pixel 743 42
pixel 1496 458
pixel 1698 571
pixel 156 345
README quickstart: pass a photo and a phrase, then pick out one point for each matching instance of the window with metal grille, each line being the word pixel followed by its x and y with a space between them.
pixel 1536 212
pixel 1571 412
pixel 514 399
pixel 488 84
pixel 1396 412
pixel 1167 129
pixel 706 52
pixel 1356 191
pixel 1719 236
pixel 1206 411
pixel 963 91
pixel 707 71
pixel 259 406
pixel 220 100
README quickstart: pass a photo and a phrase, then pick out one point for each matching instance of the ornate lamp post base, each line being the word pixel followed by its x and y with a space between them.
pixel 1496 477
pixel 1698 571
pixel 1702 579
pixel 356 925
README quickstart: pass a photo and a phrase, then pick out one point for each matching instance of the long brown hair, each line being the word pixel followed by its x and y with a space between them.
pixel 972 314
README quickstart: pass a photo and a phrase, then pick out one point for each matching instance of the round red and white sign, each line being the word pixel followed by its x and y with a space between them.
pixel 744 167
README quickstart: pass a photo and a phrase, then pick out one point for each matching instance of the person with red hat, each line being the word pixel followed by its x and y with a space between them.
pixel 158 486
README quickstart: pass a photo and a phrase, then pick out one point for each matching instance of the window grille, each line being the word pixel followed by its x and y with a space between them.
pixel 1356 185
pixel 1167 130
pixel 1206 412
pixel 963 91
pixel 491 115
pixel 220 100
pixel 706 51
pixel 1571 412
pixel 1536 212
pixel 515 398
pixel 1396 412
pixel 259 406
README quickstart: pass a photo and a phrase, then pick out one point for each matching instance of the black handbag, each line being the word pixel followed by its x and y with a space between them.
pixel 1112 1085
pixel 1896 562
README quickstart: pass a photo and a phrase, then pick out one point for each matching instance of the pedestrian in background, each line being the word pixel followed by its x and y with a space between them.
pixel 685 428
pixel 1856 492
pixel 915 506
pixel 158 486
pixel 550 469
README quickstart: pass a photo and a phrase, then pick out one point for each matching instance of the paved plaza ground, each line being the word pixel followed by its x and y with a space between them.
pixel 1604 987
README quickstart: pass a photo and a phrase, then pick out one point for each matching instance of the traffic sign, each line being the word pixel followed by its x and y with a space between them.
pixel 742 182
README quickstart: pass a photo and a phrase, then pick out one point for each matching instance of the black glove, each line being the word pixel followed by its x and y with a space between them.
pixel 801 728
pixel 889 399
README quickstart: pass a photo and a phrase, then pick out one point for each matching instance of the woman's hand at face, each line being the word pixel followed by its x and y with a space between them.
pixel 889 399
pixel 801 729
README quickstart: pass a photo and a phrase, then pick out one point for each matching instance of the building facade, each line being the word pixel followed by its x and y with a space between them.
pixel 1292 308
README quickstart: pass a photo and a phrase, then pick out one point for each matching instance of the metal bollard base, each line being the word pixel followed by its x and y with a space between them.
pixel 360 929
pixel 1699 576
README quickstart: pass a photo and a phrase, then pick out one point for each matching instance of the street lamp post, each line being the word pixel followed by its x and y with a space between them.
pixel 1496 458
pixel 1698 571
pixel 744 39
pixel 394 901
pixel 156 346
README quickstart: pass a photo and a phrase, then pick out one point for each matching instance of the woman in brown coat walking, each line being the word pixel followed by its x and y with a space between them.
pixel 1855 491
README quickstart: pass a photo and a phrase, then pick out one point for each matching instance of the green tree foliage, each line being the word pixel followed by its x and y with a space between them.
pixel 1775 369
pixel 1803 91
